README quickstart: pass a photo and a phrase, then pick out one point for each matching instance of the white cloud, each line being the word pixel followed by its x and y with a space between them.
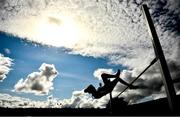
pixel 113 29
pixel 40 82
pixel 78 100
pixel 97 73
pixel 5 64
pixel 10 101
pixel 7 100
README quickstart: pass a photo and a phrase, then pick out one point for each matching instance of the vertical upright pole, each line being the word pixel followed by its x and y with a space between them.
pixel 169 87
pixel 111 103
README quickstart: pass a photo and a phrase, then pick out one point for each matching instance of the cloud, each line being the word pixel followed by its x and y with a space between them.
pixel 78 100
pixel 39 83
pixel 97 73
pixel 5 66
pixel 113 29
pixel 7 100
pixel 10 101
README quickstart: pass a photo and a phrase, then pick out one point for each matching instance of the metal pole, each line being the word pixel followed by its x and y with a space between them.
pixel 167 80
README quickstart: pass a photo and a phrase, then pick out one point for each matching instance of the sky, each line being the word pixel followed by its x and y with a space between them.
pixel 75 71
pixel 52 50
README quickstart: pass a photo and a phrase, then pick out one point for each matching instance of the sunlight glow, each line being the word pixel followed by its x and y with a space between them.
pixel 59 31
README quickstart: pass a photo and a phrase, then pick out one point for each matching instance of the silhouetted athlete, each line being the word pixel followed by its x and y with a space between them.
pixel 108 85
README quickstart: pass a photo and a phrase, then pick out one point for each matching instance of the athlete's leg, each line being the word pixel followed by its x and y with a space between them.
pixel 127 84
pixel 106 77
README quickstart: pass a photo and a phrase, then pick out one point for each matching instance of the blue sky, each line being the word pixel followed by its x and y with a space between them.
pixel 75 71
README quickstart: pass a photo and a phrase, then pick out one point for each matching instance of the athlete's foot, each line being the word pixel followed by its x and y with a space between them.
pixel 118 73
